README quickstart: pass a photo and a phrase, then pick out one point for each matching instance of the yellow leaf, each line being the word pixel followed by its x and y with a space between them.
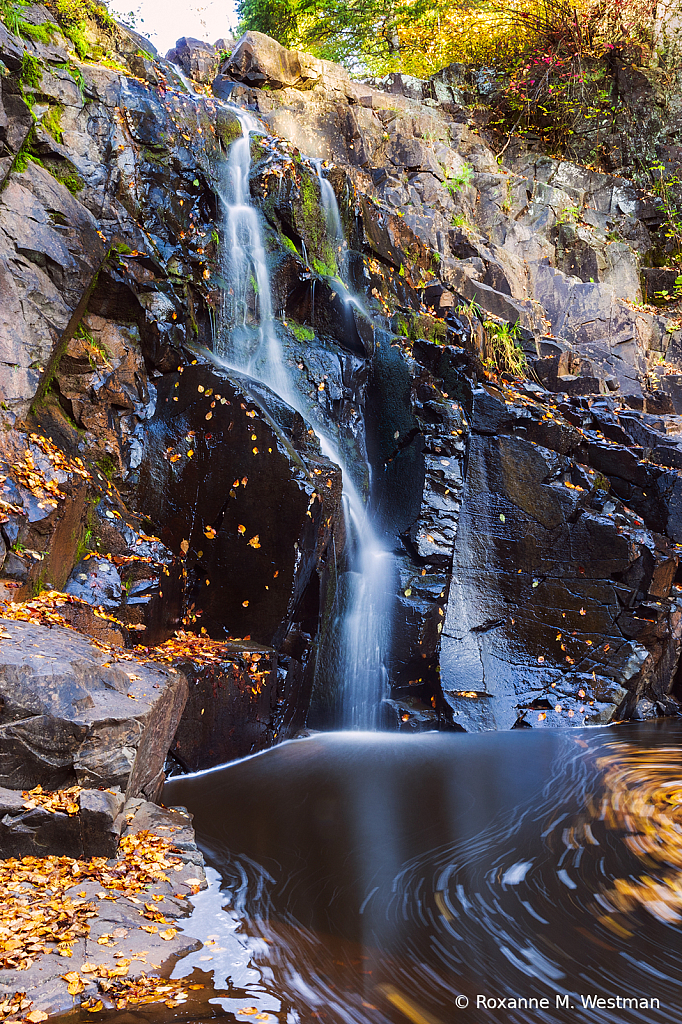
pixel 190 453
pixel 184 546
pixel 241 529
pixel 36 1016
pixel 119 972
pixel 208 415
pixel 169 933
pixel 209 532
pixel 95 1007
pixel 254 542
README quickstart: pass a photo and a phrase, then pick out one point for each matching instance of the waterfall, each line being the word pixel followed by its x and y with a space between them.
pixel 362 617
pixel 331 215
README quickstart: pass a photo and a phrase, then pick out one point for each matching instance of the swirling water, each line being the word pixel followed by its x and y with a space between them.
pixel 379 879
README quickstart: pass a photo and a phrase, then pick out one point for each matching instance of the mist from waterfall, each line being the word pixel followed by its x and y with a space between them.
pixel 360 623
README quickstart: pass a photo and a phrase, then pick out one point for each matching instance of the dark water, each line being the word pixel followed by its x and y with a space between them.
pixel 382 878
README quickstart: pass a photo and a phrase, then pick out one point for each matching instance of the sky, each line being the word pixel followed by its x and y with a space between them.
pixel 164 21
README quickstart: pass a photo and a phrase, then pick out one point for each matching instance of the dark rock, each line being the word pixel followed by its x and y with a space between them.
pixel 233 708
pixel 533 609
pixel 255 515
pixel 96 581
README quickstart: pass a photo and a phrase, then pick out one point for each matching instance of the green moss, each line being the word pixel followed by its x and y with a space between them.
pixel 44 33
pixel 77 36
pixel 31 72
pixel 229 132
pixel 287 242
pixel 84 545
pixel 414 327
pixel 107 466
pixel 37 586
pixel 301 332
pixel 73 182
pixel 324 269
pixel 77 12
pixel 52 123
pixel 26 153
pixel 313 227
pixel 65 173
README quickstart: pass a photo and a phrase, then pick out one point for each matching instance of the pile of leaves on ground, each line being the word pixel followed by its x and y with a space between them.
pixel 45 910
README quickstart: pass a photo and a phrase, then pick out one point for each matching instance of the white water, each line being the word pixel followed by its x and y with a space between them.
pixel 331 215
pixel 362 624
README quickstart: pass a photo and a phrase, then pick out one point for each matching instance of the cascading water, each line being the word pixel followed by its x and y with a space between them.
pixel 362 615
pixel 331 214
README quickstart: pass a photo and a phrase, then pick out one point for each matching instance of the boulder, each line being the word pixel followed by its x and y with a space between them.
pixel 197 59
pixel 259 60
pixel 89 829
pixel 73 715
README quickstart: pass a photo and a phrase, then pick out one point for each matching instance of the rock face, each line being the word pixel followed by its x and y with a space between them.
pixel 535 526
pixel 69 716
pixel 234 708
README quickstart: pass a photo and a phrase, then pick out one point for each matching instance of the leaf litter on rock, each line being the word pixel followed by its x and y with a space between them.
pixel 38 916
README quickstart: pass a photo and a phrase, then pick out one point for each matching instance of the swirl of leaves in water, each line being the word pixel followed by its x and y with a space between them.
pixel 642 799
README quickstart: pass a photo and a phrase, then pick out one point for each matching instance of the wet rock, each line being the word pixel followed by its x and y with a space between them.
pixel 261 514
pixel 97 582
pixel 233 709
pixel 70 715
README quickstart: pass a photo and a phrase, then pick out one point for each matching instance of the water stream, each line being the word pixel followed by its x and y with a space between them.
pixel 361 632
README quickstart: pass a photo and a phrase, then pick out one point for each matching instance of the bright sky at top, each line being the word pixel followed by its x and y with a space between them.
pixel 164 21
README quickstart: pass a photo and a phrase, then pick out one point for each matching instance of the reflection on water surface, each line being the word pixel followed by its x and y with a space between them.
pixel 383 879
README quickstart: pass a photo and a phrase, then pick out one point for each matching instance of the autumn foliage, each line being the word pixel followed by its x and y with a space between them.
pixel 420 38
